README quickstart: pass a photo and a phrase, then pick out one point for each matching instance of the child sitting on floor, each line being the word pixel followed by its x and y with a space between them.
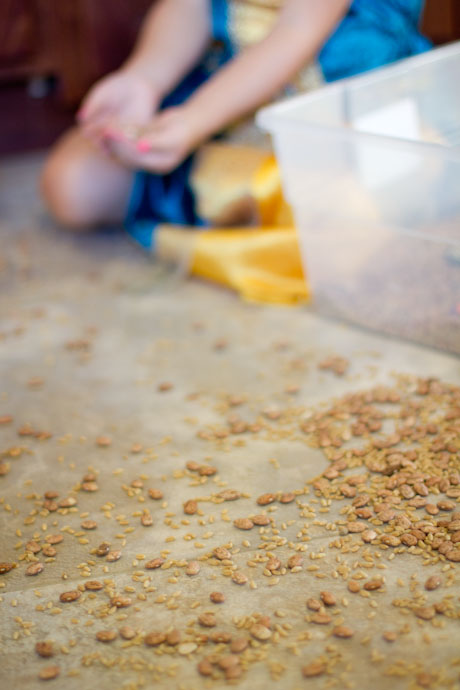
pixel 198 67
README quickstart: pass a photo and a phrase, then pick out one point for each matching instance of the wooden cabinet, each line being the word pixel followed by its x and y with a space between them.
pixel 441 20
pixel 75 41
pixel 25 48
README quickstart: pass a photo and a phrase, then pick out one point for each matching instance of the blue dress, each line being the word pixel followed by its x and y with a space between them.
pixel 372 33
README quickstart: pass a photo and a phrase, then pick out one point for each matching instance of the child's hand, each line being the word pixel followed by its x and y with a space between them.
pixel 161 146
pixel 123 96
pixel 170 137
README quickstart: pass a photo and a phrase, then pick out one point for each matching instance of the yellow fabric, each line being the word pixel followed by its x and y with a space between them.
pixel 268 195
pixel 263 264
pixel 222 182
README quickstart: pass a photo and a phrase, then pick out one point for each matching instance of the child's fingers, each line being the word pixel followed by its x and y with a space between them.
pixel 89 110
pixel 156 161
pixel 95 138
pixel 161 162
pixel 157 140
pixel 105 128
pixel 97 104
pixel 125 132
pixel 154 136
pixel 124 151
pixel 94 129
pixel 97 135
pixel 92 101
pixel 92 132
pixel 143 145
pixel 97 119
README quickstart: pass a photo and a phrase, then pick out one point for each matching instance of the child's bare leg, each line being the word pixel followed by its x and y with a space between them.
pixel 82 187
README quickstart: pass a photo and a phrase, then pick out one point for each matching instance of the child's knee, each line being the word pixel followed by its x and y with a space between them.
pixel 62 186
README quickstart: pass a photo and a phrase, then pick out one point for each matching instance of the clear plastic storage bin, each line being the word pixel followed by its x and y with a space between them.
pixel 371 167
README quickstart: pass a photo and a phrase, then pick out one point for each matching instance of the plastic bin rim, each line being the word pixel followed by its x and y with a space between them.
pixel 279 115
pixel 420 147
pixel 444 238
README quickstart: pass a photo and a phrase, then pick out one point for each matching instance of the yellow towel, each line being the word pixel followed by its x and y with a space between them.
pixel 260 261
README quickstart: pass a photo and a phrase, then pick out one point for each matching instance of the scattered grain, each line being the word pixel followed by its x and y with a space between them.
pixel 44 649
pixel 34 569
pixel 106 635
pixel 313 669
pixel 72 595
pixel 433 582
pixel 153 639
pixel 217 597
pixel 239 578
pixel 193 568
pixel 190 507
pixel 260 632
pixel 343 631
pixel 49 672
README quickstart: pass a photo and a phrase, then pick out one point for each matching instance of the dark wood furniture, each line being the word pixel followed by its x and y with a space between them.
pixel 441 20
pixel 75 41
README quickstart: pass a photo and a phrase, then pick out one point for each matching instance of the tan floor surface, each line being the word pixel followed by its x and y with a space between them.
pixel 87 334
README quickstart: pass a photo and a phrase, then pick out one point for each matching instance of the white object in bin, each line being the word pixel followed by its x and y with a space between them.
pixel 399 119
